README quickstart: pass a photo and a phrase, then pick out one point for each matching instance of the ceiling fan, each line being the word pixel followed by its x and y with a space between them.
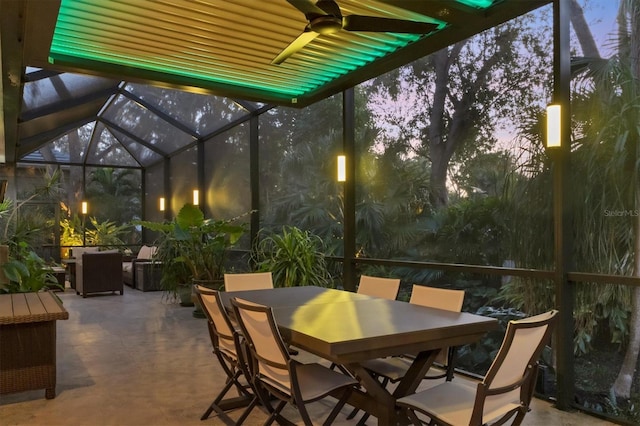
pixel 324 17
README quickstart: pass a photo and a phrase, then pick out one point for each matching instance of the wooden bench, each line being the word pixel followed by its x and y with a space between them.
pixel 28 341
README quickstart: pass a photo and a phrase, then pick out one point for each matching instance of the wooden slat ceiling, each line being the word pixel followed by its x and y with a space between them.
pixel 226 47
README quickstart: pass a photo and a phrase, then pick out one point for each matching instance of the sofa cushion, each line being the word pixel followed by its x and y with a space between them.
pixel 77 252
pixel 146 252
pixel 145 255
pixel 127 267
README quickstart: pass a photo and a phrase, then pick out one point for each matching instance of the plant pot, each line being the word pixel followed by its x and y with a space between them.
pixel 545 381
pixel 213 285
pixel 184 293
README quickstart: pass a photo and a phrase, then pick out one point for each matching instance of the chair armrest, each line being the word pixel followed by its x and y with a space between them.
pixel 136 261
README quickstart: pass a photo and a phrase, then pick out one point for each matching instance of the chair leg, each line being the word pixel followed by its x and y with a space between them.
pixel 275 413
pixel 338 407
pixel 451 359
pixel 305 414
pixel 216 401
pixel 247 411
pixel 353 413
pixel 365 416
pixel 413 417
pixel 231 381
pixel 363 419
pixel 519 417
pixel 341 368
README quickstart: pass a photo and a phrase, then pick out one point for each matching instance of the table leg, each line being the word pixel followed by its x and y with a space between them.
pixel 416 372
pixel 377 400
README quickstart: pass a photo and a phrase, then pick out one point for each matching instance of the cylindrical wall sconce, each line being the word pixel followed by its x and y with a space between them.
pixel 342 168
pixel 554 136
pixel 196 197
pixel 161 204
pixel 84 207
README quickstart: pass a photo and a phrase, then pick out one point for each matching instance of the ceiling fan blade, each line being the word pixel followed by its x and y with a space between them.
pixel 303 39
pixel 386 25
pixel 308 7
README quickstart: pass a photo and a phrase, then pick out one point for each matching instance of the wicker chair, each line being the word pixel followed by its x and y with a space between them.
pixel 98 272
pixel 226 342
pixel 141 272
pixel 505 391
pixel 274 371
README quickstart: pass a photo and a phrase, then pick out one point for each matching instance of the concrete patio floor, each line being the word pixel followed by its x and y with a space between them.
pixel 139 359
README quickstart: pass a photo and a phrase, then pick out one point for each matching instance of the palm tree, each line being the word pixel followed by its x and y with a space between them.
pixel 611 147
pixel 114 194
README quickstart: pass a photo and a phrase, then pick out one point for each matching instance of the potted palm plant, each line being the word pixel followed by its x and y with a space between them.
pixel 193 249
pixel 293 256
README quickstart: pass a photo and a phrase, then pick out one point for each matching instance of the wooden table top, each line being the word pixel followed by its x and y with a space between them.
pixel 349 327
pixel 19 308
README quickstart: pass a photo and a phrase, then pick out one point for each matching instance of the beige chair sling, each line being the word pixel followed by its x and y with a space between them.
pixel 505 391
pixel 226 342
pixel 386 288
pixel 439 298
pixel 274 371
pixel 248 281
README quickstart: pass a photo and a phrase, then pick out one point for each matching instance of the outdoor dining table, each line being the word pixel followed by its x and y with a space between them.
pixel 348 328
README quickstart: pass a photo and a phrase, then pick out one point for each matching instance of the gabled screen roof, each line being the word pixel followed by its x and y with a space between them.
pixel 87 58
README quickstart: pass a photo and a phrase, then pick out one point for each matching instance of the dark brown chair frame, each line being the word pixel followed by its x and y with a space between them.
pixel 233 364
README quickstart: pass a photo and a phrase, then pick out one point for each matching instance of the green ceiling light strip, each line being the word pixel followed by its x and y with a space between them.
pixel 86 33
pixel 478 4
pixel 96 57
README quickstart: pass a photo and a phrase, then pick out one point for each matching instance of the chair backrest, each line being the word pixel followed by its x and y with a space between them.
pixel 386 288
pixel 440 298
pixel 79 251
pixel 515 364
pixel 221 328
pixel 248 281
pixel 268 351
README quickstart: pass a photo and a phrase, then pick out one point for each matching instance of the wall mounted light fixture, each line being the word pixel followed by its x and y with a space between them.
pixel 554 134
pixel 196 197
pixel 161 204
pixel 84 209
pixel 342 168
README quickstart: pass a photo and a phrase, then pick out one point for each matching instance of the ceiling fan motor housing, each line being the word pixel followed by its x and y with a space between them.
pixel 326 24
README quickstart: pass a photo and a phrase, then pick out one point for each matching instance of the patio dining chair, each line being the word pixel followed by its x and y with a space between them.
pixel 387 288
pixel 439 298
pixel 393 369
pixel 227 347
pixel 505 391
pixel 273 370
pixel 248 281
